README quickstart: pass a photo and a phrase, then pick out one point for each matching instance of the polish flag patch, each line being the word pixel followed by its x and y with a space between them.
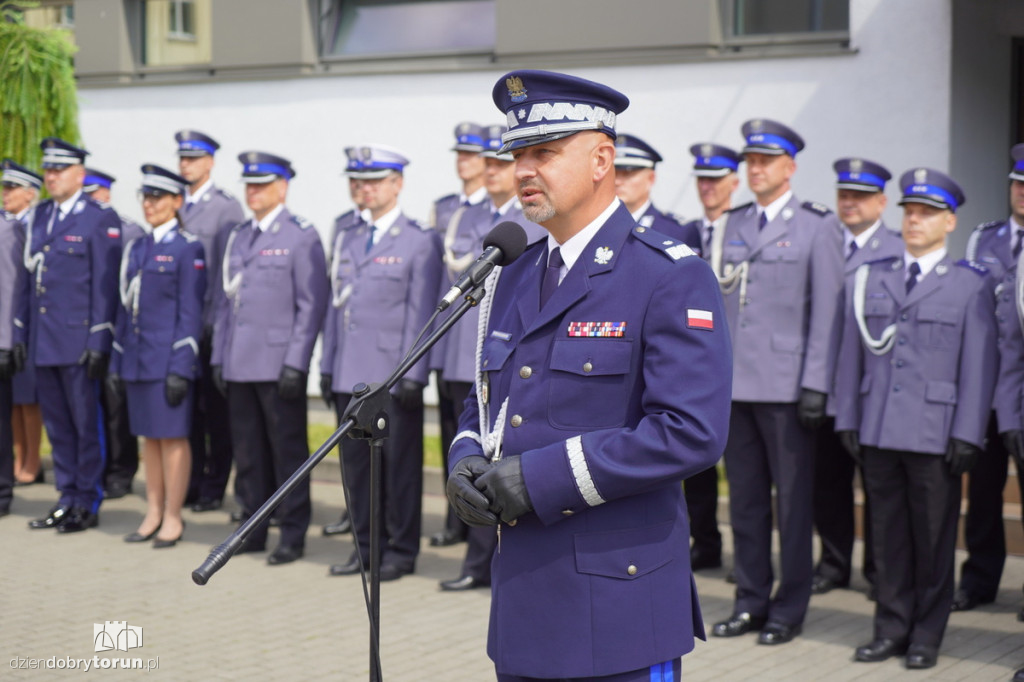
pixel 198 264
pixel 114 232
pixel 700 319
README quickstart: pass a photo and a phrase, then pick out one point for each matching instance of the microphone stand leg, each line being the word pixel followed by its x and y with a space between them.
pixel 376 517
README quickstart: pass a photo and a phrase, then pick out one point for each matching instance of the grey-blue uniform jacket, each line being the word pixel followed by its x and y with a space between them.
pixel 275 288
pixel 70 291
pixel 379 303
pixel 131 230
pixel 936 378
pixel 215 212
pixel 12 275
pixel 350 218
pixel 783 288
pixel 991 246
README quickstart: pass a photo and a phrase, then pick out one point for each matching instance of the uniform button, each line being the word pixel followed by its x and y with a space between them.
pixel 46 248
pixel 904 317
pixel 42 290
pixel 641 229
pixel 896 388
pixel 567 512
pixel 902 341
pixel 44 268
pixel 588 367
pixel 485 362
pixel 71 250
pixel 525 372
pixel 136 330
pixel 899 363
pixel 631 569
pixel 516 420
pixel 42 309
pixel 161 268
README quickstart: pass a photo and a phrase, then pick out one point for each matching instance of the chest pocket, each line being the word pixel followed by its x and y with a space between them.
pixel 589 382
pixel 940 326
pixel 780 265
pixel 73 249
pixel 878 313
pixel 277 263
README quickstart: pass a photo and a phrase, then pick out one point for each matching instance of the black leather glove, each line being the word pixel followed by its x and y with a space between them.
pixel 95 363
pixel 850 440
pixel 1013 441
pixel 505 488
pixel 291 384
pixel 326 390
pixel 20 356
pixel 810 410
pixel 410 394
pixel 115 391
pixel 443 387
pixel 470 504
pixel 6 365
pixel 961 456
pixel 175 389
pixel 218 380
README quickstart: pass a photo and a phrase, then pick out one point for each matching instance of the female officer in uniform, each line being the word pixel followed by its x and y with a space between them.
pixel 162 284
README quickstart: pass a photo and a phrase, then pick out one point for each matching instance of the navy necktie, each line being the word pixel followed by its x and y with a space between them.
pixel 369 238
pixel 853 250
pixel 255 233
pixel 1017 246
pixel 762 220
pixel 551 273
pixel 914 271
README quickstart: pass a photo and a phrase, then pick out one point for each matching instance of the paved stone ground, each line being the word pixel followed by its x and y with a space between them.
pixel 258 622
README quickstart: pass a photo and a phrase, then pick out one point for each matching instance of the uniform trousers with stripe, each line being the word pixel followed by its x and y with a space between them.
pixel 768 448
pixel 915 503
pixel 70 404
pixel 210 438
pixel 669 671
pixel 269 433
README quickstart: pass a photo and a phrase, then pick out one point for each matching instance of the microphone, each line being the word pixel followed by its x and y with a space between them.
pixel 502 245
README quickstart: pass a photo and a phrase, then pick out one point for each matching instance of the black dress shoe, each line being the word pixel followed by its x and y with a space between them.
pixel 738 624
pixel 350 567
pixel 54 517
pixel 775 632
pixel 205 504
pixel 4 512
pixel 139 537
pixel 115 491
pixel 921 656
pixel 284 555
pixel 238 516
pixel 389 572
pixel 161 543
pixel 446 538
pixel 821 584
pixel 252 547
pixel 730 577
pixel 343 526
pixel 1020 615
pixel 466 582
pixel 77 520
pixel 1018 676
pixel 702 559
pixel 963 601
pixel 878 650
pixel 873 593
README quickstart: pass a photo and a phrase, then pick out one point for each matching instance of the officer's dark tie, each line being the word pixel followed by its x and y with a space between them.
pixel 853 250
pixel 1019 243
pixel 709 234
pixel 762 220
pixel 369 238
pixel 255 233
pixel 551 273
pixel 914 271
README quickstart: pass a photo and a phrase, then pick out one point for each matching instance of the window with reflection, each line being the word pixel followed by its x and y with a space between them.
pixel 353 28
pixel 762 17
pixel 52 15
pixel 176 32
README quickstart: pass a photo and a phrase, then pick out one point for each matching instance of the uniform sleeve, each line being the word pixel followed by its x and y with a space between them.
pixel 19 332
pixel 979 363
pixel 1010 384
pixel 105 244
pixel 826 292
pixel 687 391
pixel 228 218
pixel 188 325
pixel 420 299
pixel 309 279
pixel 849 368
pixel 10 271
pixel 120 326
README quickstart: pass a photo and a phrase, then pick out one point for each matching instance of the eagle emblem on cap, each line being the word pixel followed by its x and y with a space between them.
pixel 921 176
pixel 757 125
pixel 706 150
pixel 856 165
pixel 516 91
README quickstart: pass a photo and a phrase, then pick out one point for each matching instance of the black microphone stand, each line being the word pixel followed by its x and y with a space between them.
pixel 365 418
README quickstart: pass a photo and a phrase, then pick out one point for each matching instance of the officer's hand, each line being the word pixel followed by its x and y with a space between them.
pixel 95 363
pixel 505 488
pixel 327 390
pixel 115 391
pixel 810 410
pixel 1014 443
pixel 410 394
pixel 961 456
pixel 6 365
pixel 175 389
pixel 20 356
pixel 291 384
pixel 442 386
pixel 469 504
pixel 218 380
pixel 850 440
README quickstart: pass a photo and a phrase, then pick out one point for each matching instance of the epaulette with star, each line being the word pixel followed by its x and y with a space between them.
pixel 671 248
pixel 301 222
pixel 446 197
pixel 976 268
pixel 989 225
pixel 224 193
pixel 741 207
pixel 816 207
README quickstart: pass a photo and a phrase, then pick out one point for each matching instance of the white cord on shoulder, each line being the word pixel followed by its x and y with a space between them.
pixel 230 284
pixel 490 439
pixel 1019 290
pixel 455 265
pixel 338 298
pixel 883 344
pixel 735 275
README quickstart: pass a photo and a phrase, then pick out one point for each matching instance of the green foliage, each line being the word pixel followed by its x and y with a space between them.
pixel 37 87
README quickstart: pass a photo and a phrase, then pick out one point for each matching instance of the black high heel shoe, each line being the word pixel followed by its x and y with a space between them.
pixel 139 537
pixel 159 543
